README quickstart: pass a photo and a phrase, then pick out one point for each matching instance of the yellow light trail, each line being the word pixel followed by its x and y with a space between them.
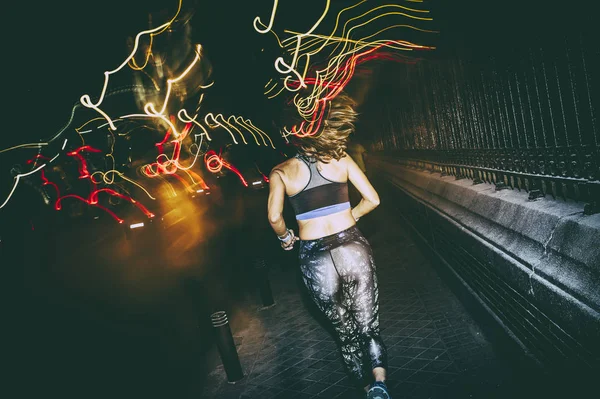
pixel 362 41
pixel 183 116
pixel 170 82
pixel 86 100
pixel 216 123
pixel 249 123
pixel 282 67
pixel 28 145
pixel 225 122
pixel 271 20
pixel 149 52
pixel 345 47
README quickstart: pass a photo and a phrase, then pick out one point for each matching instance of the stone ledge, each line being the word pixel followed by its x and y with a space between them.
pixel 552 241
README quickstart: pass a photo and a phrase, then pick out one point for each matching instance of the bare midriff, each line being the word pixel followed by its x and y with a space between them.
pixel 325 225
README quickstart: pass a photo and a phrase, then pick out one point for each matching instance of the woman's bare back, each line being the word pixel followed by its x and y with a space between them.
pixel 296 175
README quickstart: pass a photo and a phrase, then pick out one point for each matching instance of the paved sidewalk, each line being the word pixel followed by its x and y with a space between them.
pixel 436 350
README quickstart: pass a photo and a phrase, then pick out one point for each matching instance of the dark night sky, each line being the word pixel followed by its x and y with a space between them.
pixel 59 50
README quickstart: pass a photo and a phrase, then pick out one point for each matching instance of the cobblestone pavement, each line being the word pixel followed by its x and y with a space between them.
pixel 436 350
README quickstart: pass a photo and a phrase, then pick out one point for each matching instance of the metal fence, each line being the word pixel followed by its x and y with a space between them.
pixel 526 121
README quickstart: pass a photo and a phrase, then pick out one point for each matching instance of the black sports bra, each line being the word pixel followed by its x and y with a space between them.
pixel 321 196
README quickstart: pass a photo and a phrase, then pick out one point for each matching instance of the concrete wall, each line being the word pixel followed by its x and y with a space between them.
pixel 534 266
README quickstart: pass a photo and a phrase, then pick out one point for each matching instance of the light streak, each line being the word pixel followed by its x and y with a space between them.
pixel 347 52
pixel 16 183
pixel 276 94
pixel 29 145
pixel 59 133
pixel 111 213
pixel 214 163
pixel 271 20
pixel 93 196
pixel 158 110
pixel 364 42
pixel 282 67
pixel 134 65
pixel 86 101
pixel 112 173
pixel 83 170
pixel 271 89
pixel 216 123
pixel 263 134
pixel 250 130
pixel 184 117
pixel 265 178
pixel 175 80
pixel 230 125
pixel 170 166
pixel 206 86
pixel 335 26
pixel 248 125
pixel 94 200
pixel 274 34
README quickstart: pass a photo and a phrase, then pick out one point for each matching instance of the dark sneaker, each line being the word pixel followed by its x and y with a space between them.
pixel 378 391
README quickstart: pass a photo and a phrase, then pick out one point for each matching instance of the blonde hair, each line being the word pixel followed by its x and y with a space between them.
pixel 331 141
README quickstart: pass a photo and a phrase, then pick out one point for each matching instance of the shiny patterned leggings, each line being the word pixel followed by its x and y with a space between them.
pixel 339 272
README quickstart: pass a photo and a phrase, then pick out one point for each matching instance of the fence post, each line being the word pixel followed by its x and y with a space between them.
pixel 227 350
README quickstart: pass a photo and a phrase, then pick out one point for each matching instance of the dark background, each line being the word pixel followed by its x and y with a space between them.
pixel 64 342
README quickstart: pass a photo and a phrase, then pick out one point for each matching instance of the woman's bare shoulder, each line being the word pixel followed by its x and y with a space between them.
pixel 345 159
pixel 285 166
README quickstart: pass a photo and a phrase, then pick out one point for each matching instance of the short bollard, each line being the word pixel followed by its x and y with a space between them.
pixel 264 286
pixel 229 356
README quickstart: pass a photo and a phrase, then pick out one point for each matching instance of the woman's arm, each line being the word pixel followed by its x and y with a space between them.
pixel 275 205
pixel 275 211
pixel 370 198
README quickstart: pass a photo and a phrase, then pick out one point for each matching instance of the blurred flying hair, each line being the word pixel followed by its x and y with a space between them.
pixel 330 142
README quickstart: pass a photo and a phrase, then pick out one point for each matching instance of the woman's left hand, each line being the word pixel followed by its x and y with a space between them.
pixel 289 245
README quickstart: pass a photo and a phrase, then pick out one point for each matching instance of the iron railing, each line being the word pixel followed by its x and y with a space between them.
pixel 526 122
